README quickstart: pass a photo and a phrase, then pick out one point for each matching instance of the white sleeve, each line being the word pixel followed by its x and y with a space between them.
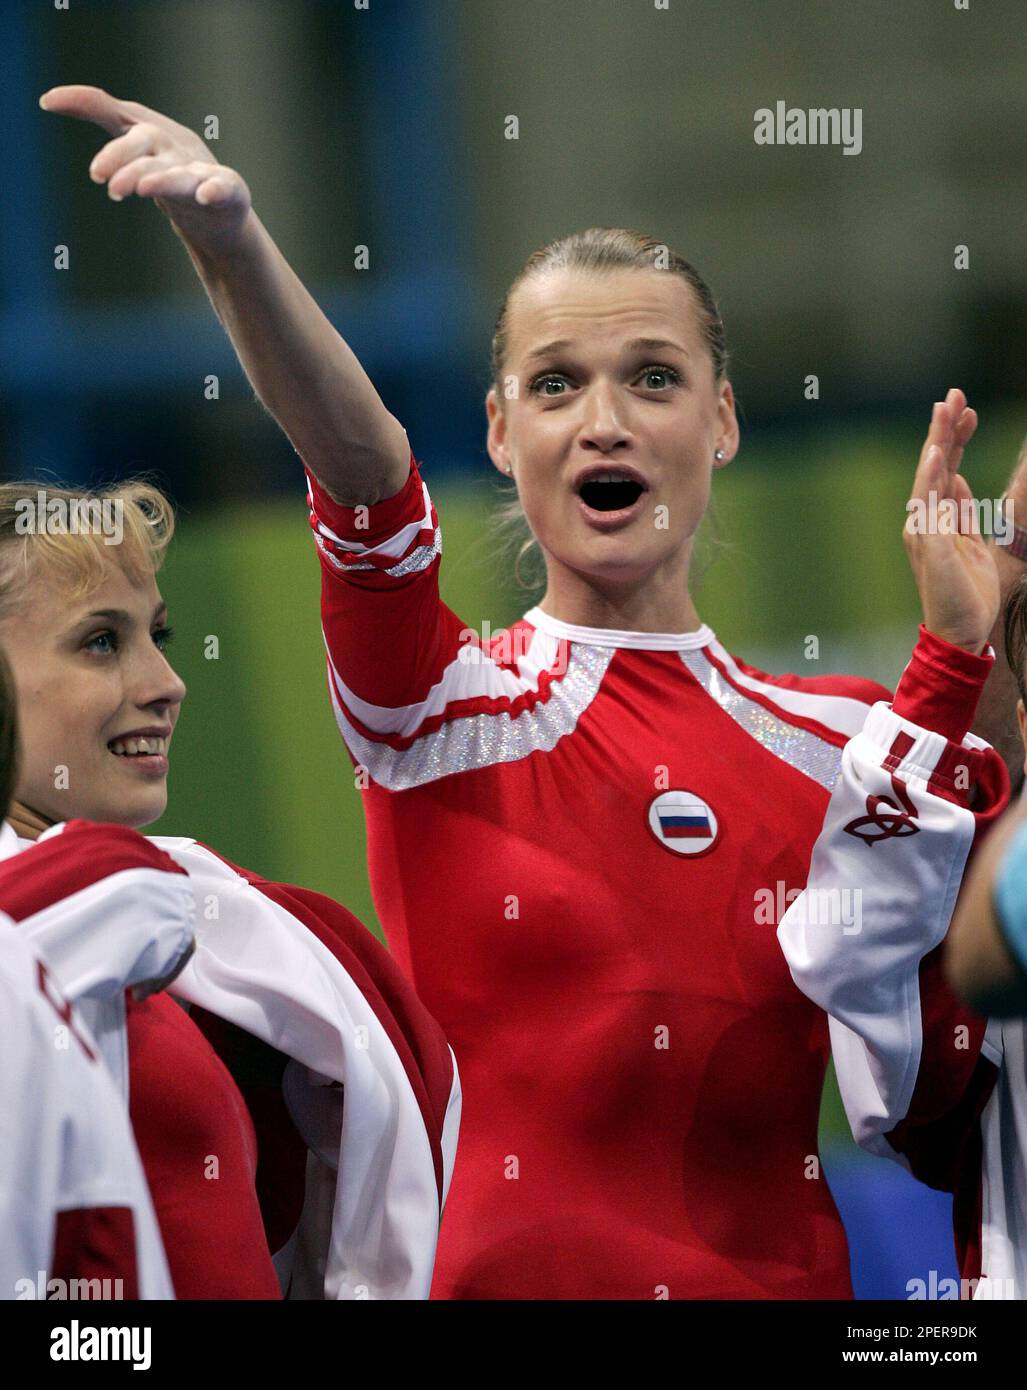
pixel 882 885
pixel 131 927
pixel 371 1212
pixel 128 928
pixel 66 1145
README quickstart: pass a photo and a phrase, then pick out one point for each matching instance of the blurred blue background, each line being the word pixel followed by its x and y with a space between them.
pixel 384 127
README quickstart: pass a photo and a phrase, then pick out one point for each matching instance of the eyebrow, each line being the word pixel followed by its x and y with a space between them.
pixel 635 345
pixel 119 615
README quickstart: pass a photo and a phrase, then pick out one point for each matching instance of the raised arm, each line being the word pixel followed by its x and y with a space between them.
pixel 300 367
pixel 996 715
pixel 917 792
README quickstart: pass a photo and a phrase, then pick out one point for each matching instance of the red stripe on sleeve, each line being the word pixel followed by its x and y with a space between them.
pixel 97 1243
pixel 799 721
pixel 373 523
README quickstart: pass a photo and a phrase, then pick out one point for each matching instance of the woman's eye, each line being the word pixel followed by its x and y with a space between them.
pixel 103 642
pixel 540 382
pixel 672 376
pixel 162 637
pixel 539 386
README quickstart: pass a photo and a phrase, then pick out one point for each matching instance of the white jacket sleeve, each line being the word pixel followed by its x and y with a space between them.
pixel 106 911
pixel 74 1203
pixel 378 1164
pixel 893 849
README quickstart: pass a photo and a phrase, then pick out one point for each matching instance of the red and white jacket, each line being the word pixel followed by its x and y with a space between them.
pixel 300 973
pixel 924 1080
pixel 76 1219
pixel 106 911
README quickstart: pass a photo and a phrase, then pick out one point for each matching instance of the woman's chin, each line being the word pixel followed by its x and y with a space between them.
pixel 618 566
pixel 136 814
pixel 146 816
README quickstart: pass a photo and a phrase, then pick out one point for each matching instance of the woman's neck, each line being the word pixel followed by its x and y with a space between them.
pixel 654 606
pixel 28 824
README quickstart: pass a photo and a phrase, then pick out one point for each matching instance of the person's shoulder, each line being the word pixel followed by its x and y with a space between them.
pixel 331 921
pixel 72 856
pixel 866 691
pixel 833 706
pixel 194 858
pixel 108 848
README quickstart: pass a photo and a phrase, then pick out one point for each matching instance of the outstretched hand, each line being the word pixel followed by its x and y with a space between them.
pixel 154 157
pixel 953 564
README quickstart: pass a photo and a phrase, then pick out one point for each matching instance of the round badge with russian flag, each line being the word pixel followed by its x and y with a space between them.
pixel 683 822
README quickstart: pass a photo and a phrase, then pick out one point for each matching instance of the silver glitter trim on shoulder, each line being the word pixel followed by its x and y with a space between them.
pixel 801 749
pixel 341 564
pixel 483 740
pixel 418 559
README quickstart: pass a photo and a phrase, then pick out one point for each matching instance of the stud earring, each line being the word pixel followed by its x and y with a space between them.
pixel 719 454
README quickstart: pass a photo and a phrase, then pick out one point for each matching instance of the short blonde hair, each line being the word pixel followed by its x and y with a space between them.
pixel 81 558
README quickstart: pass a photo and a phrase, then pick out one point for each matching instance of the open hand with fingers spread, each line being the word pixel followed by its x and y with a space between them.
pixel 154 157
pixel 953 564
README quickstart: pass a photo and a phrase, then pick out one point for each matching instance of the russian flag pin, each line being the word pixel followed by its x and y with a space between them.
pixel 683 822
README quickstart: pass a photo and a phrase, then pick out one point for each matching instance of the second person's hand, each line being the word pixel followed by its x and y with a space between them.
pixel 953 564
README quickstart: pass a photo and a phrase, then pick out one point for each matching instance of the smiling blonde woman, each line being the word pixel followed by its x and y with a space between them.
pixel 87 632
pixel 292 1002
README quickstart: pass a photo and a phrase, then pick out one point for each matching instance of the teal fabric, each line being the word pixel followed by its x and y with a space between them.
pixel 1011 896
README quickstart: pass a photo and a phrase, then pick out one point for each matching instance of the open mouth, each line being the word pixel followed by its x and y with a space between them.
pixel 611 498
pixel 610 495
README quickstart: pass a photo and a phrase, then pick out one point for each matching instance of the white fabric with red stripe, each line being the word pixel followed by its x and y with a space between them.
pixel 370 1220
pixel 405 548
pixel 66 1145
pixel 146 917
pixel 869 982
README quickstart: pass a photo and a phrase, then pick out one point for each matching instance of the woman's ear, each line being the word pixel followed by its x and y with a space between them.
pixel 728 434
pixel 496 439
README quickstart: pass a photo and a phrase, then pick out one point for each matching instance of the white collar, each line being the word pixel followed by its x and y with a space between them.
pixel 612 637
pixel 9 842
